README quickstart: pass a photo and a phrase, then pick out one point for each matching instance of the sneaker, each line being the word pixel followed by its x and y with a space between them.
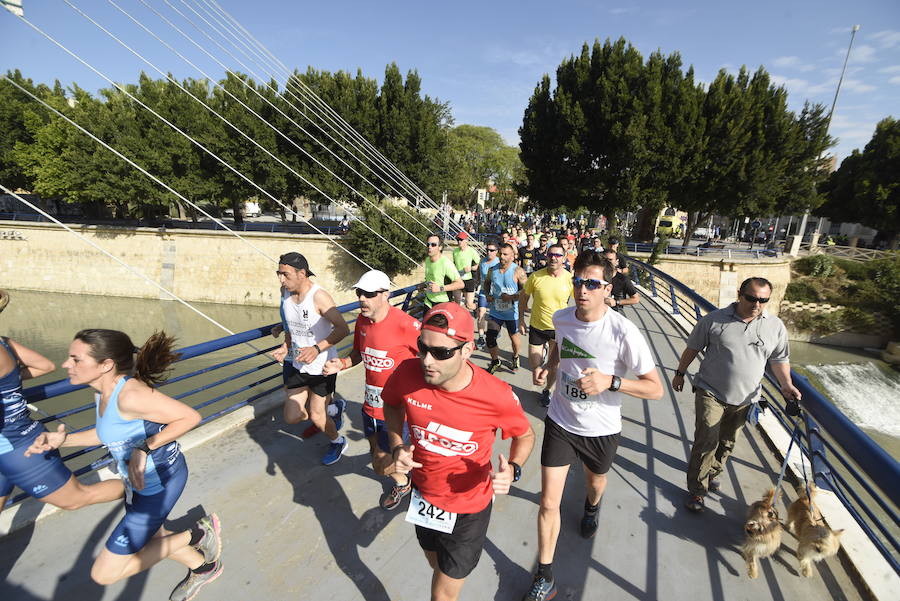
pixel 481 343
pixel 545 398
pixel 514 364
pixel 393 498
pixel 341 405
pixel 541 590
pixel 211 543
pixel 714 485
pixel 494 366
pixel 188 588
pixel 311 431
pixel 694 503
pixel 589 524
pixel 335 450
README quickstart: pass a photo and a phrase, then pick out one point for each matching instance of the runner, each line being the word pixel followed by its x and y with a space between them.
pixel 454 410
pixel 465 258
pixel 140 426
pixel 552 289
pixel 502 285
pixel 45 477
pixel 313 327
pixel 483 267
pixel 441 275
pixel 595 349
pixel 385 336
pixel 623 291
pixel 527 255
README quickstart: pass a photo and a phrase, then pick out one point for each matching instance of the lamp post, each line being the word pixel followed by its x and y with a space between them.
pixel 802 230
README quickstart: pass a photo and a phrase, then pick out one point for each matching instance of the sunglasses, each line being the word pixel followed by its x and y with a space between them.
pixel 433 243
pixel 367 294
pixel 557 255
pixel 589 284
pixel 492 250
pixel 755 299
pixel 440 353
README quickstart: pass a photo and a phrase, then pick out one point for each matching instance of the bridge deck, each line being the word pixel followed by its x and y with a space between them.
pixel 294 529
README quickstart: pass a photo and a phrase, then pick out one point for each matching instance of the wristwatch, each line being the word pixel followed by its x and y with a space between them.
pixel 517 471
pixel 679 373
pixel 144 447
pixel 615 384
pixel 442 288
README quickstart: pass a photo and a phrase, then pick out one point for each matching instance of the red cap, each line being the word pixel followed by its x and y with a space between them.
pixel 460 324
pixel 462 236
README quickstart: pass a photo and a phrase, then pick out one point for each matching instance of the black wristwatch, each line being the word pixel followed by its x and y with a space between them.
pixel 615 384
pixel 679 373
pixel 517 471
pixel 144 447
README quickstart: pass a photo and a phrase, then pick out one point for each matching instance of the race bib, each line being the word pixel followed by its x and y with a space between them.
pixel 502 305
pixel 573 393
pixel 422 513
pixel 373 396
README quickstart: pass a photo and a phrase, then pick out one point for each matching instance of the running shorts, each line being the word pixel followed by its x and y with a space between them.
pixel 512 325
pixel 319 385
pixel 372 426
pixel 482 301
pixel 458 552
pixel 469 285
pixel 145 515
pixel 38 475
pixel 538 337
pixel 561 447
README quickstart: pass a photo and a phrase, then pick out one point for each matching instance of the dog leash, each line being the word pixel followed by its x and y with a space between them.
pixel 784 463
pixel 813 509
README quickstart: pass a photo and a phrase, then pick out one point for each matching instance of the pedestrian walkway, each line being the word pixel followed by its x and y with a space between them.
pixel 296 530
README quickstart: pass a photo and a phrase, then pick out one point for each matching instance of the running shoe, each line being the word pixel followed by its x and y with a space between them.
pixel 714 485
pixel 393 498
pixel 188 588
pixel 481 343
pixel 541 590
pixel 335 450
pixel 341 405
pixel 514 364
pixel 494 366
pixel 545 398
pixel 589 524
pixel 211 543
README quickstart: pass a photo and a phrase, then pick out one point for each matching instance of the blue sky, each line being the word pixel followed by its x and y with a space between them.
pixel 486 57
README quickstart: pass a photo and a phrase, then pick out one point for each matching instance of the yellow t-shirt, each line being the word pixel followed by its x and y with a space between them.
pixel 549 294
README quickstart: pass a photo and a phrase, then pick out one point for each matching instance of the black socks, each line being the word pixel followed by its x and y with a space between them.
pixel 545 571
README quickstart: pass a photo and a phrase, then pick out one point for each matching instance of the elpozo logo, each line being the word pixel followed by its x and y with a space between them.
pixel 376 360
pixel 444 440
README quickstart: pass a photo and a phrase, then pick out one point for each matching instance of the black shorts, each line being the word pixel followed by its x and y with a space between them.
pixel 538 337
pixel 458 553
pixel 318 384
pixel 561 447
pixel 469 285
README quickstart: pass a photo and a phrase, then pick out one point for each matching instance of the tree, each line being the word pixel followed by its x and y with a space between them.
pixel 866 187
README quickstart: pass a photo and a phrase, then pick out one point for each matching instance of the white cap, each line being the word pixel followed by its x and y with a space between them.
pixel 373 281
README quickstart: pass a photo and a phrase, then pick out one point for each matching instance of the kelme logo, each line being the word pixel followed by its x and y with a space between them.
pixel 572 351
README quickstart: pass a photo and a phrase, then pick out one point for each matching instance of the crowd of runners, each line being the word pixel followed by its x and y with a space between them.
pixel 429 412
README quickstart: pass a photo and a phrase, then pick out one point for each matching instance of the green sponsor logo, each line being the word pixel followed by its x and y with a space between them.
pixel 572 351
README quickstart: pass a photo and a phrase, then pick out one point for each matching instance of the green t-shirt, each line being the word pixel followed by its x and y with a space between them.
pixel 463 258
pixel 442 271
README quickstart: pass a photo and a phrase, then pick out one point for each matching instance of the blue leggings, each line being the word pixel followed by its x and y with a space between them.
pixel 38 475
pixel 146 513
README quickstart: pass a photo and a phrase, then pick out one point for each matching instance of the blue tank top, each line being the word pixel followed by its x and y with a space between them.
pixel 485 266
pixel 121 435
pixel 504 282
pixel 18 427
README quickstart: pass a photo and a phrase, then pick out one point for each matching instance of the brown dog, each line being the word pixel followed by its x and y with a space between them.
pixel 763 532
pixel 816 540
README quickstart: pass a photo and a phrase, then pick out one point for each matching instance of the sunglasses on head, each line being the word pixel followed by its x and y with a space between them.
pixel 588 283
pixel 755 299
pixel 367 294
pixel 440 353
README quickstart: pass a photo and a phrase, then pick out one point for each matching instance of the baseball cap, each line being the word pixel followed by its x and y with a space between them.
pixel 462 236
pixel 460 324
pixel 373 281
pixel 295 260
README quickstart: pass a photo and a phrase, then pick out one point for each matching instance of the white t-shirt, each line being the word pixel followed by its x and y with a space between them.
pixel 613 345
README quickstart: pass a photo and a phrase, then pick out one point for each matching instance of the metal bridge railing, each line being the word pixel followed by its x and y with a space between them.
pixel 241 374
pixel 844 459
pixel 697 251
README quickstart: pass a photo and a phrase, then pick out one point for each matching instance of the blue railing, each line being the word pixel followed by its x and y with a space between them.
pixel 844 459
pixel 697 251
pixel 250 381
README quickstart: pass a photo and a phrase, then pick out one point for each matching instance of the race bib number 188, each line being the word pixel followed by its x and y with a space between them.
pixel 573 393
pixel 422 513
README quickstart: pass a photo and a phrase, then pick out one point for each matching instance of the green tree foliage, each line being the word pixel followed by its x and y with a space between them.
pixel 372 249
pixel 618 133
pixel 866 187
pixel 477 155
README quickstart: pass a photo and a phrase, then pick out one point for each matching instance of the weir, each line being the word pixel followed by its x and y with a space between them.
pixel 296 529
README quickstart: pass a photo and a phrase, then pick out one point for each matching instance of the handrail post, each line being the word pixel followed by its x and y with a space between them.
pixel 652 285
pixel 407 300
pixel 675 310
pixel 697 311
pixel 820 472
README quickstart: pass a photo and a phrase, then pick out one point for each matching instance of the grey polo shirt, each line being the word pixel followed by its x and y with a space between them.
pixel 736 353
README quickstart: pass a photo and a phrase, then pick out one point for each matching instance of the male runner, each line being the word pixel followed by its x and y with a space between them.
pixel 623 291
pixel 441 275
pixel 313 327
pixel 527 255
pixel 454 410
pixel 552 289
pixel 595 349
pixel 483 267
pixel 465 258
pixel 385 336
pixel 502 285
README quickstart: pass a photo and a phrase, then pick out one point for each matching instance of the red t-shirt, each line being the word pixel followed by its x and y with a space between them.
pixel 383 346
pixel 454 433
